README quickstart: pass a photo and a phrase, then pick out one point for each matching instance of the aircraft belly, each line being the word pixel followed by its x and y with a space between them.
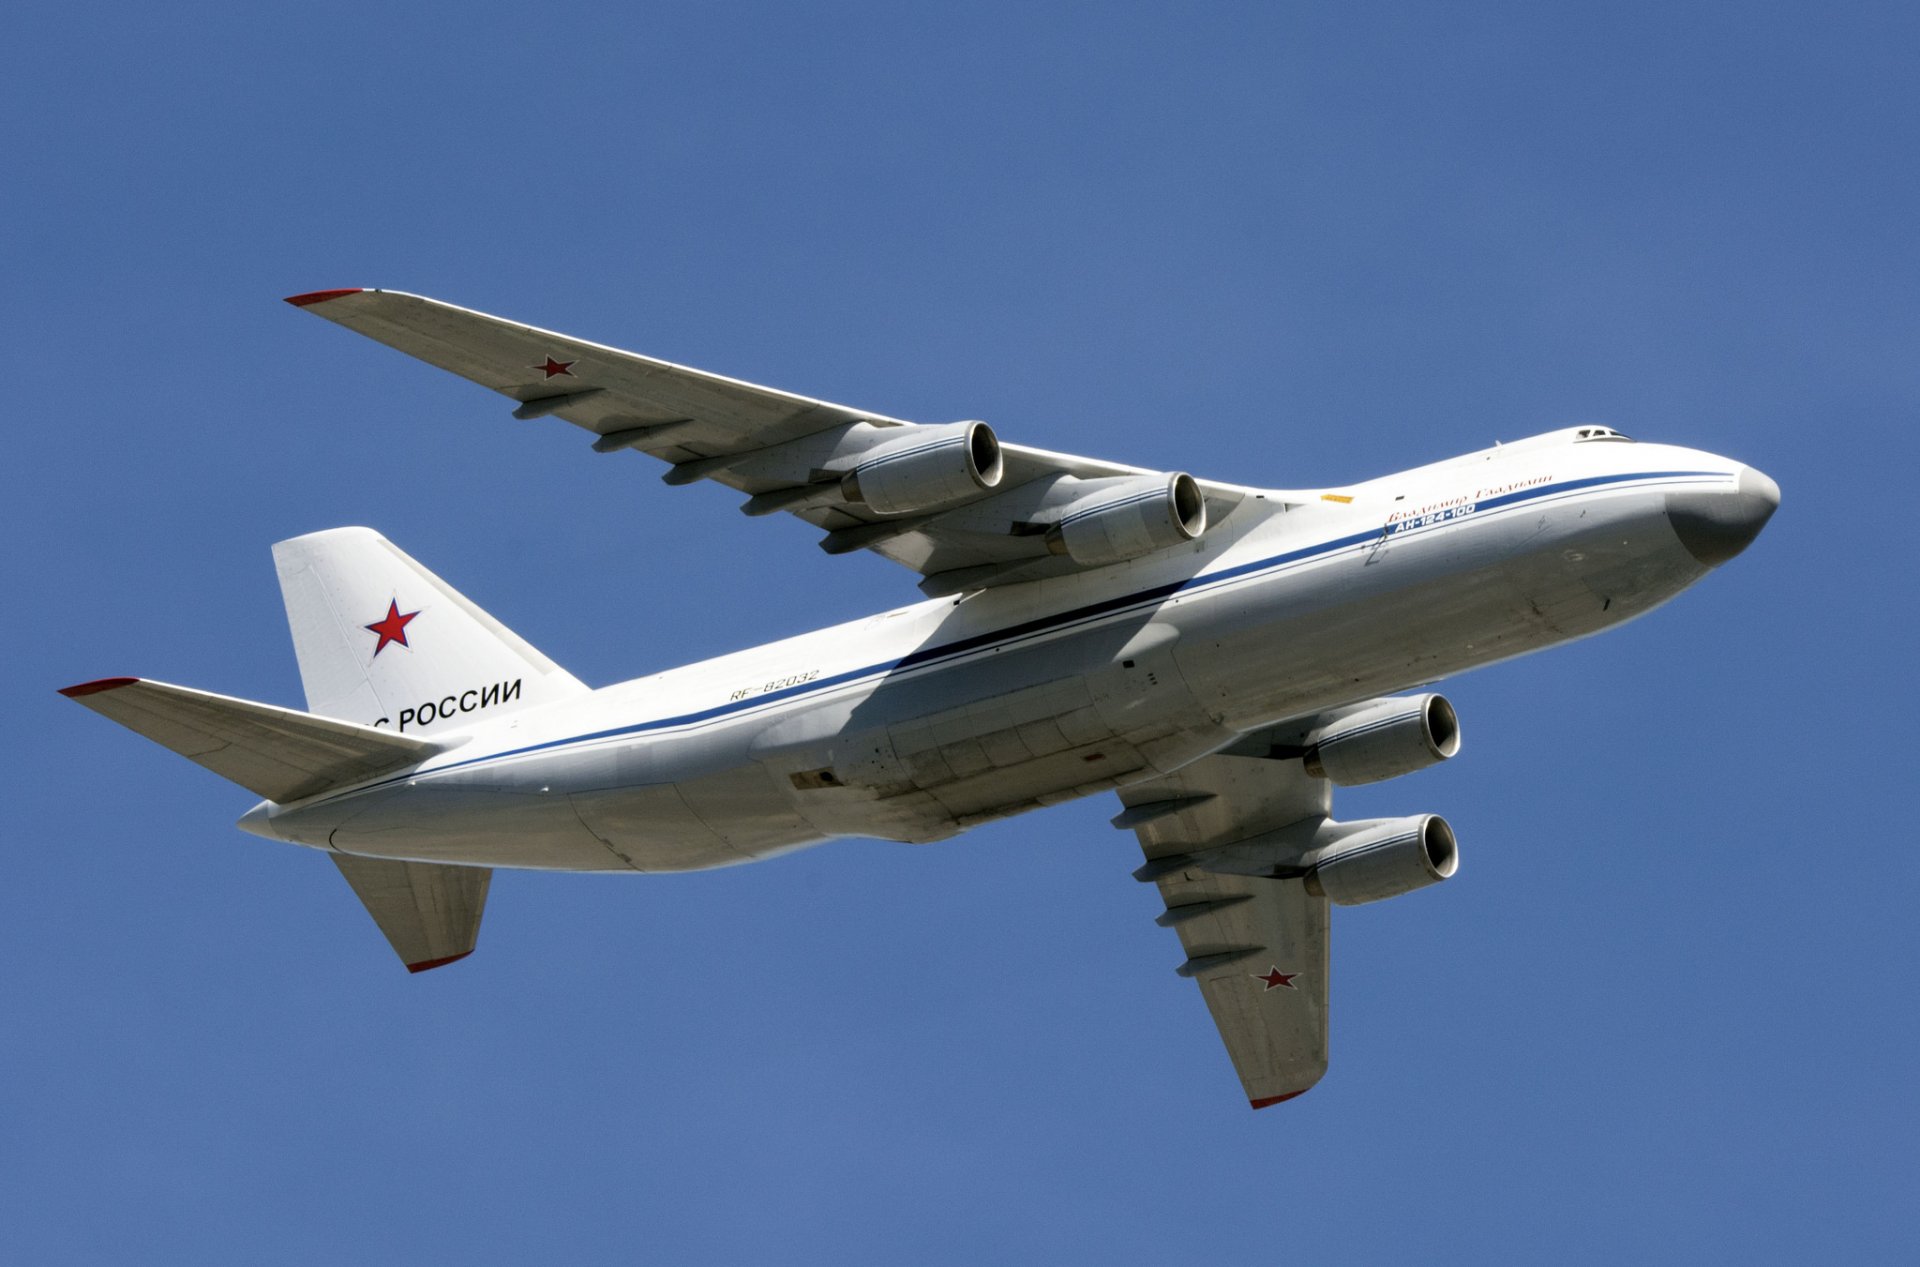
pixel 922 758
pixel 744 807
pixel 685 802
pixel 425 823
pixel 653 828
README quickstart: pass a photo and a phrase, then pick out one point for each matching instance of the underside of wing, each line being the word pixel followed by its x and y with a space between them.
pixel 1256 945
pixel 605 390
pixel 948 500
pixel 1262 954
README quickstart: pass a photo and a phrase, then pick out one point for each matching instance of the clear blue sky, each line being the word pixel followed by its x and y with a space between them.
pixel 1665 1012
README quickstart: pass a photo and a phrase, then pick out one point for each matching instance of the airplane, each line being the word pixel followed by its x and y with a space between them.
pixel 1220 656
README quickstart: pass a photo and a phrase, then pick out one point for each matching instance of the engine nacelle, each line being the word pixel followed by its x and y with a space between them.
pixel 933 466
pixel 1127 520
pixel 1383 739
pixel 1382 858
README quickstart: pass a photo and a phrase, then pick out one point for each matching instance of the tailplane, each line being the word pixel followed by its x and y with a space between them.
pixel 384 642
pixel 429 912
pixel 279 753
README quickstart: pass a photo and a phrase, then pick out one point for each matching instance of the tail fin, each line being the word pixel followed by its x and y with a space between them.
pixel 385 642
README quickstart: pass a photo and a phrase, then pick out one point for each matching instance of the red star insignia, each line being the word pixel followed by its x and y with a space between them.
pixel 393 628
pixel 1275 978
pixel 553 367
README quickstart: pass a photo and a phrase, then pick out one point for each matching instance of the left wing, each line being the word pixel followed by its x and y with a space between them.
pixel 949 501
pixel 1257 946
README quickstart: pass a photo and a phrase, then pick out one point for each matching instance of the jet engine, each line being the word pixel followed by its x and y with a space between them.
pixel 1382 858
pixel 1383 739
pixel 935 466
pixel 1130 518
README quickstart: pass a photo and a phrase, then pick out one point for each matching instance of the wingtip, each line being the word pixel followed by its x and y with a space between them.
pixel 313 297
pixel 95 687
pixel 426 965
pixel 1277 1099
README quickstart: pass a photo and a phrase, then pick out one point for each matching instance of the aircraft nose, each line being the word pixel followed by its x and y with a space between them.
pixel 1718 524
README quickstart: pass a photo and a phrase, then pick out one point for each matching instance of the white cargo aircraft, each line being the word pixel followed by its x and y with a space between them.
pixel 1220 655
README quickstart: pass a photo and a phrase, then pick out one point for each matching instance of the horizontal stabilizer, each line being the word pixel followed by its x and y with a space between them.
pixel 279 753
pixel 430 912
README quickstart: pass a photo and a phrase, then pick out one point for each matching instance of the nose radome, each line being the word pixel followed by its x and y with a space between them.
pixel 1714 525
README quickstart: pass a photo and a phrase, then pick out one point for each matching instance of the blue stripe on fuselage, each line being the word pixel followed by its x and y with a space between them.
pixel 1039 626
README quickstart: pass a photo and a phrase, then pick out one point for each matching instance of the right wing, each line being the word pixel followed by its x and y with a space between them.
pixel 791 453
pixel 1256 946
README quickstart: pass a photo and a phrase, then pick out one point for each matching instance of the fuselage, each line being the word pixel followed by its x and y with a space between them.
pixel 919 722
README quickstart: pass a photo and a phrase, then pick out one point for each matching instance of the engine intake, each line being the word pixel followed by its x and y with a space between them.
pixel 1383 858
pixel 934 466
pixel 1383 739
pixel 1131 518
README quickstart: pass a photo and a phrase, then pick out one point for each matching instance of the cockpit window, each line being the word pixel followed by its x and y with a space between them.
pixel 1599 433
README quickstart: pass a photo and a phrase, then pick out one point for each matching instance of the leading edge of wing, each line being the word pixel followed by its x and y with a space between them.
pixel 343 305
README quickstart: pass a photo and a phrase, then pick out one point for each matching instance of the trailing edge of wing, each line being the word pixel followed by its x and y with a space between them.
pixel 281 754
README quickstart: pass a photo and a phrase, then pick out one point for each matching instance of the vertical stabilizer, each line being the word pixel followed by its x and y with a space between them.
pixel 384 642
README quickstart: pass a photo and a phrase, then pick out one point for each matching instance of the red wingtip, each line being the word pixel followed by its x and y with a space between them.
pixel 1276 1099
pixel 426 964
pixel 321 296
pixel 94 688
